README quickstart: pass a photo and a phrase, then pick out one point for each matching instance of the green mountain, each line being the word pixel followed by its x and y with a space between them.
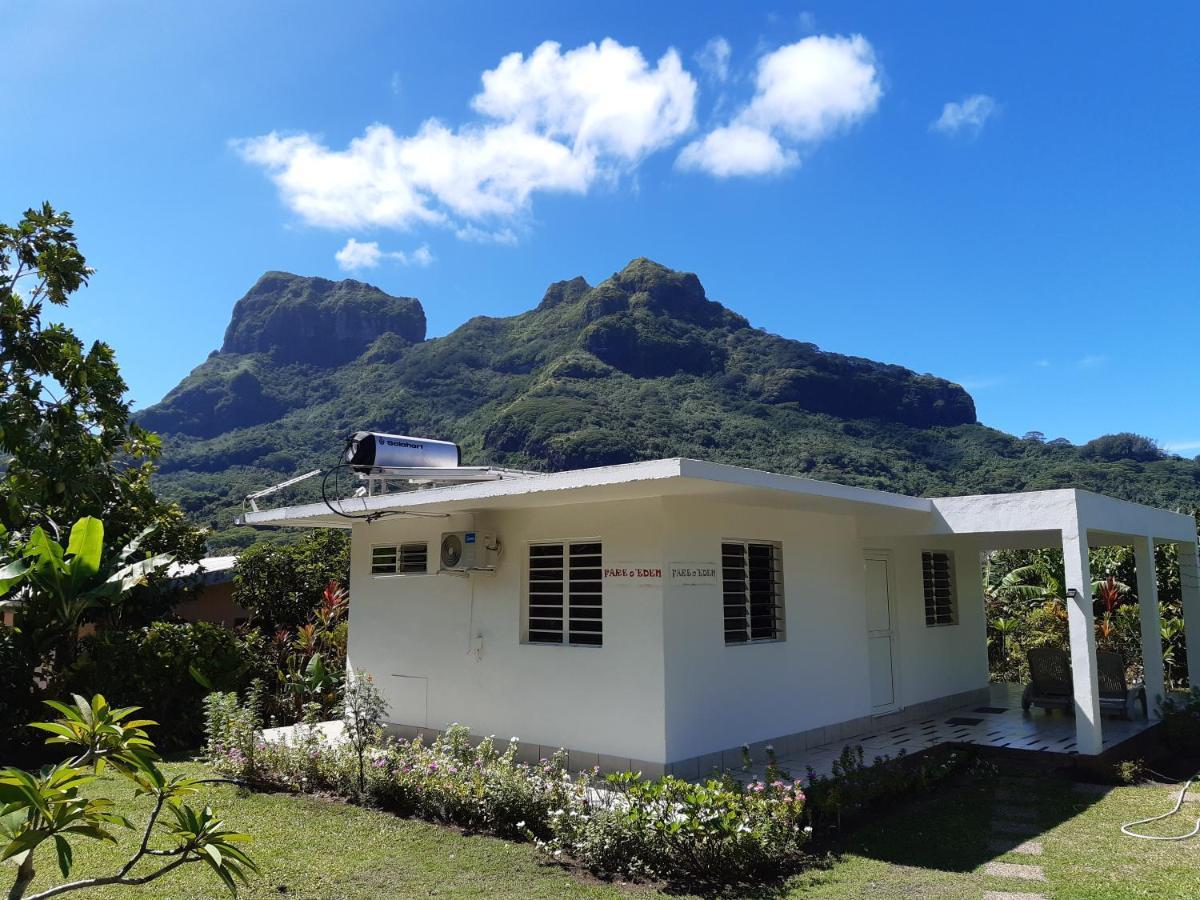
pixel 642 365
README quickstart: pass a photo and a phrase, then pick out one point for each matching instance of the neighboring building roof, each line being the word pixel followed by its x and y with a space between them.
pixel 681 477
pixel 211 569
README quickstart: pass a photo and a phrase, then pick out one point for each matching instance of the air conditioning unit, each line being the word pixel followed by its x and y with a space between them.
pixel 468 551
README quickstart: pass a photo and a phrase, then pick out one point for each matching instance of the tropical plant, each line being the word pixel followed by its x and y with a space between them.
pixel 68 447
pixel 307 665
pixel 53 589
pixel 169 666
pixel 48 807
pixel 363 709
pixel 276 583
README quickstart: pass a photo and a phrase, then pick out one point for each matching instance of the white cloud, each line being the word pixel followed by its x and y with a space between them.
pixel 356 255
pixel 713 58
pixel 505 236
pixel 804 93
pixel 420 257
pixel 554 122
pixel 359 255
pixel 1181 447
pixel 968 116
pixel 736 150
pixel 600 99
pixel 1092 361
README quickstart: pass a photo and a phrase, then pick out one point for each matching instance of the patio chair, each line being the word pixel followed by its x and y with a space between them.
pixel 1115 692
pixel 1050 680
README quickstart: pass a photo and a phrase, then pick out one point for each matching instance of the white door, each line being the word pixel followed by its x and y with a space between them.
pixel 881 640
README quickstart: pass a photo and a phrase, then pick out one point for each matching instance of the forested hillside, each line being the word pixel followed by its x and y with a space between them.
pixel 642 365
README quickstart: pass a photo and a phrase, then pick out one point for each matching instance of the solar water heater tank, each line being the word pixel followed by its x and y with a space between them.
pixel 370 450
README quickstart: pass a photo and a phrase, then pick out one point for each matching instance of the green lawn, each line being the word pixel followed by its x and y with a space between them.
pixel 934 847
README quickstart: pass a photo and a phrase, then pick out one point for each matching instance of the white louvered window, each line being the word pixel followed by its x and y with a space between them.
pixel 941 598
pixel 752 588
pixel 400 559
pixel 565 594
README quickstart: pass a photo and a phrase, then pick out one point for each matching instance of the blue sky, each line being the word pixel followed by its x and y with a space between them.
pixel 1036 240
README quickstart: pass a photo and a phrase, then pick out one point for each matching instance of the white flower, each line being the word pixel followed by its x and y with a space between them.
pixel 521 824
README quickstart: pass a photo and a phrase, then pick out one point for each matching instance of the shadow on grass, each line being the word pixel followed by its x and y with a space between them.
pixel 769 890
pixel 969 821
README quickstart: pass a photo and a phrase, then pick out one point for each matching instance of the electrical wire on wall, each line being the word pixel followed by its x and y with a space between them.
pixel 365 516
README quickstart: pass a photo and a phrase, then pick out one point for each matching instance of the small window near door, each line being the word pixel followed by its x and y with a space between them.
pixel 752 588
pixel 400 559
pixel 941 596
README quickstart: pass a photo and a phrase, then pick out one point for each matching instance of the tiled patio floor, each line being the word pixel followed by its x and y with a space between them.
pixel 1001 723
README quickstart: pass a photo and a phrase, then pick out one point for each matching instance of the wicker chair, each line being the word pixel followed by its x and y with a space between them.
pixel 1050 685
pixel 1115 692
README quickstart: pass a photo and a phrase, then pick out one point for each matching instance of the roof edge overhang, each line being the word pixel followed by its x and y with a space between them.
pixel 655 478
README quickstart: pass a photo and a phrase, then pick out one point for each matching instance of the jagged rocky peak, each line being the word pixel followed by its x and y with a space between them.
pixel 564 292
pixel 315 320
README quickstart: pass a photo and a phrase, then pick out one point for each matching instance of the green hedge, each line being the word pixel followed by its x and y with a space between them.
pixel 152 667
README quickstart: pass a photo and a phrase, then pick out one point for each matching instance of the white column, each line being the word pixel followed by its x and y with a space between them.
pixel 1189 582
pixel 1081 627
pixel 1147 589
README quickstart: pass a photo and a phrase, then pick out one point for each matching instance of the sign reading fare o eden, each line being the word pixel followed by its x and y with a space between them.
pixel 651 575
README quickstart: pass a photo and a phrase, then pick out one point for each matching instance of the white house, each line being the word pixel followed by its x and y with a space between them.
pixel 660 614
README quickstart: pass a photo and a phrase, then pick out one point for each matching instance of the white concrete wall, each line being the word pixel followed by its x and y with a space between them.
pixel 664 686
pixel 413 632
pixel 719 696
pixel 945 659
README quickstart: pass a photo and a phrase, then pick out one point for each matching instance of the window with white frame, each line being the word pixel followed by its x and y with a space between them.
pixel 400 559
pixel 941 596
pixel 565 594
pixel 752 589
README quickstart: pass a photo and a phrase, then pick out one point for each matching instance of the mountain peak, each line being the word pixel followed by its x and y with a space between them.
pixel 314 320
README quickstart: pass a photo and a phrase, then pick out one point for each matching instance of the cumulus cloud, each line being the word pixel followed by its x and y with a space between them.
pixel 713 58
pixel 357 255
pixel 968 116
pixel 553 121
pixel 367 255
pixel 804 93
pixel 736 150
pixel 599 99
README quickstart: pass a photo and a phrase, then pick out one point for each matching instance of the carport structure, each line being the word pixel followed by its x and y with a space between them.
pixel 1078 520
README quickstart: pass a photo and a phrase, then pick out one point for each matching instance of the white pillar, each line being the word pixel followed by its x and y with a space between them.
pixel 1147 589
pixel 1081 627
pixel 1189 582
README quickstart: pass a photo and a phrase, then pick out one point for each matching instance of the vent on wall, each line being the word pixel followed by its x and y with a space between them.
pixel 400 559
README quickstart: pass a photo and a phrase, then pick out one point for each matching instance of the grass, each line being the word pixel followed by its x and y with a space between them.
pixel 935 846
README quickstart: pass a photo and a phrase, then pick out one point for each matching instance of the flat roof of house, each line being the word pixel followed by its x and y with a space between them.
pixel 683 477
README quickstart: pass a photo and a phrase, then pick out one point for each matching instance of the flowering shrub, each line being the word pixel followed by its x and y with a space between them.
pixel 854 785
pixel 717 832
pixel 622 824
